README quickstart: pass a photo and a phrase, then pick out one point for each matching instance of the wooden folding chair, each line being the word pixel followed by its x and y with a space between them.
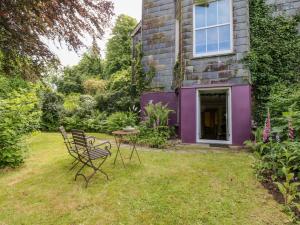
pixel 91 154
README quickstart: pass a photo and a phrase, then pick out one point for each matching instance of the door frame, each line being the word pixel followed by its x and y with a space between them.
pixel 198 115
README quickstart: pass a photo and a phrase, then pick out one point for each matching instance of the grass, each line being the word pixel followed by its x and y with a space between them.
pixel 168 188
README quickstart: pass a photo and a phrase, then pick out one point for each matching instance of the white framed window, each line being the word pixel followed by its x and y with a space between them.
pixel 213 33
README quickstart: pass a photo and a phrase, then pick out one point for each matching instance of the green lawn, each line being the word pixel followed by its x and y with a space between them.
pixel 169 188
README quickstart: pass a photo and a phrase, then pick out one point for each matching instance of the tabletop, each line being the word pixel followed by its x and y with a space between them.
pixel 122 132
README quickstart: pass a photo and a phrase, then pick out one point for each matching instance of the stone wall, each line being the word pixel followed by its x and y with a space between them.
pixel 285 7
pixel 217 69
pixel 158 40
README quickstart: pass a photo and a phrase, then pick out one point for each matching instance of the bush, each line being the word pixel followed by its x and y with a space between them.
pixel 155 131
pixel 52 108
pixel 284 105
pixel 118 96
pixel 275 156
pixel 157 115
pixel 94 86
pixel 71 103
pixel 19 115
pixel 82 114
pixel 278 163
pixel 154 137
pixel 120 120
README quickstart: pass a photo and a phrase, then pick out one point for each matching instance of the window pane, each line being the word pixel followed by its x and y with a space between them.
pixel 224 11
pixel 224 38
pixel 200 41
pixel 212 39
pixel 200 16
pixel 212 16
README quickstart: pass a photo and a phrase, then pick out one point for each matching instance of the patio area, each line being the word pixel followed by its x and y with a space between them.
pixel 169 187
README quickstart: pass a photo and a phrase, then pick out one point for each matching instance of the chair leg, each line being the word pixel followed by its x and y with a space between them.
pixel 78 172
pixel 74 164
pixel 87 179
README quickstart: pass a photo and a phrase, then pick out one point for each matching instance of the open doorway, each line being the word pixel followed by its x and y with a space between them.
pixel 214 116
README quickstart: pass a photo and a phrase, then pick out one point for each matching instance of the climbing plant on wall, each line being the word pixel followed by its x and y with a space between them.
pixel 275 53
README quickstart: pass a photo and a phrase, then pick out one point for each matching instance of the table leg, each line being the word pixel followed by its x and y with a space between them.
pixel 118 143
pixel 133 142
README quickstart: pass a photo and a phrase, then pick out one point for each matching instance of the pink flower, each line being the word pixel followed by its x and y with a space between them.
pixel 267 128
pixel 291 131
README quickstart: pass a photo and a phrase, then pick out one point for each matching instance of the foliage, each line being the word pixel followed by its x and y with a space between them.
pixel 279 162
pixel 289 189
pixel 117 96
pixel 81 114
pixel 7 86
pixel 93 86
pixel 19 114
pixel 154 137
pixel 118 55
pixel 276 155
pixel 71 81
pixel 95 122
pixel 91 64
pixel 52 108
pixel 119 120
pixel 141 80
pixel 275 53
pixel 284 105
pixel 71 103
pixel 155 131
pixel 178 75
pixel 64 21
pixel 157 115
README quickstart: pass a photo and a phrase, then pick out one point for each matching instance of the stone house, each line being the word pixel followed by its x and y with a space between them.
pixel 196 48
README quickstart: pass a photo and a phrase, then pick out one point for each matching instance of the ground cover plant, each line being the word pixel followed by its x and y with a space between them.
pixel 168 188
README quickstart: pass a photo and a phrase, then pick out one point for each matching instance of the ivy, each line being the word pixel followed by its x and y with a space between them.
pixel 275 53
pixel 141 79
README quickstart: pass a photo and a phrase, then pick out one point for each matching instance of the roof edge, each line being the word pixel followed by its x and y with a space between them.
pixel 136 29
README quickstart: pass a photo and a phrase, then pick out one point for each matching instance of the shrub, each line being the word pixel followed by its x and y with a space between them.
pixel 154 137
pixel 118 96
pixel 155 131
pixel 275 156
pixel 52 108
pixel 87 105
pixel 284 105
pixel 94 86
pixel 278 162
pixel 157 115
pixel 120 120
pixel 19 115
pixel 71 103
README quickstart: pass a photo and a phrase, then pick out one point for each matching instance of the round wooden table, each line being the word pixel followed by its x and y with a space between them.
pixel 132 137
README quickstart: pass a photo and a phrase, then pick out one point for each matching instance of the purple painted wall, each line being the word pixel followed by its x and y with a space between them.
pixel 169 98
pixel 241 111
pixel 241 114
pixel 188 115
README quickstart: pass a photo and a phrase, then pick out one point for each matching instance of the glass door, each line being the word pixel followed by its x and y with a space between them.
pixel 213 115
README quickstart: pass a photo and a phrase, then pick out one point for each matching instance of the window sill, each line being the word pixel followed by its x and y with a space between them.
pixel 214 55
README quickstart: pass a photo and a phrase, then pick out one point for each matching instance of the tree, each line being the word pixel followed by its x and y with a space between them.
pixel 91 65
pixel 118 55
pixel 25 23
